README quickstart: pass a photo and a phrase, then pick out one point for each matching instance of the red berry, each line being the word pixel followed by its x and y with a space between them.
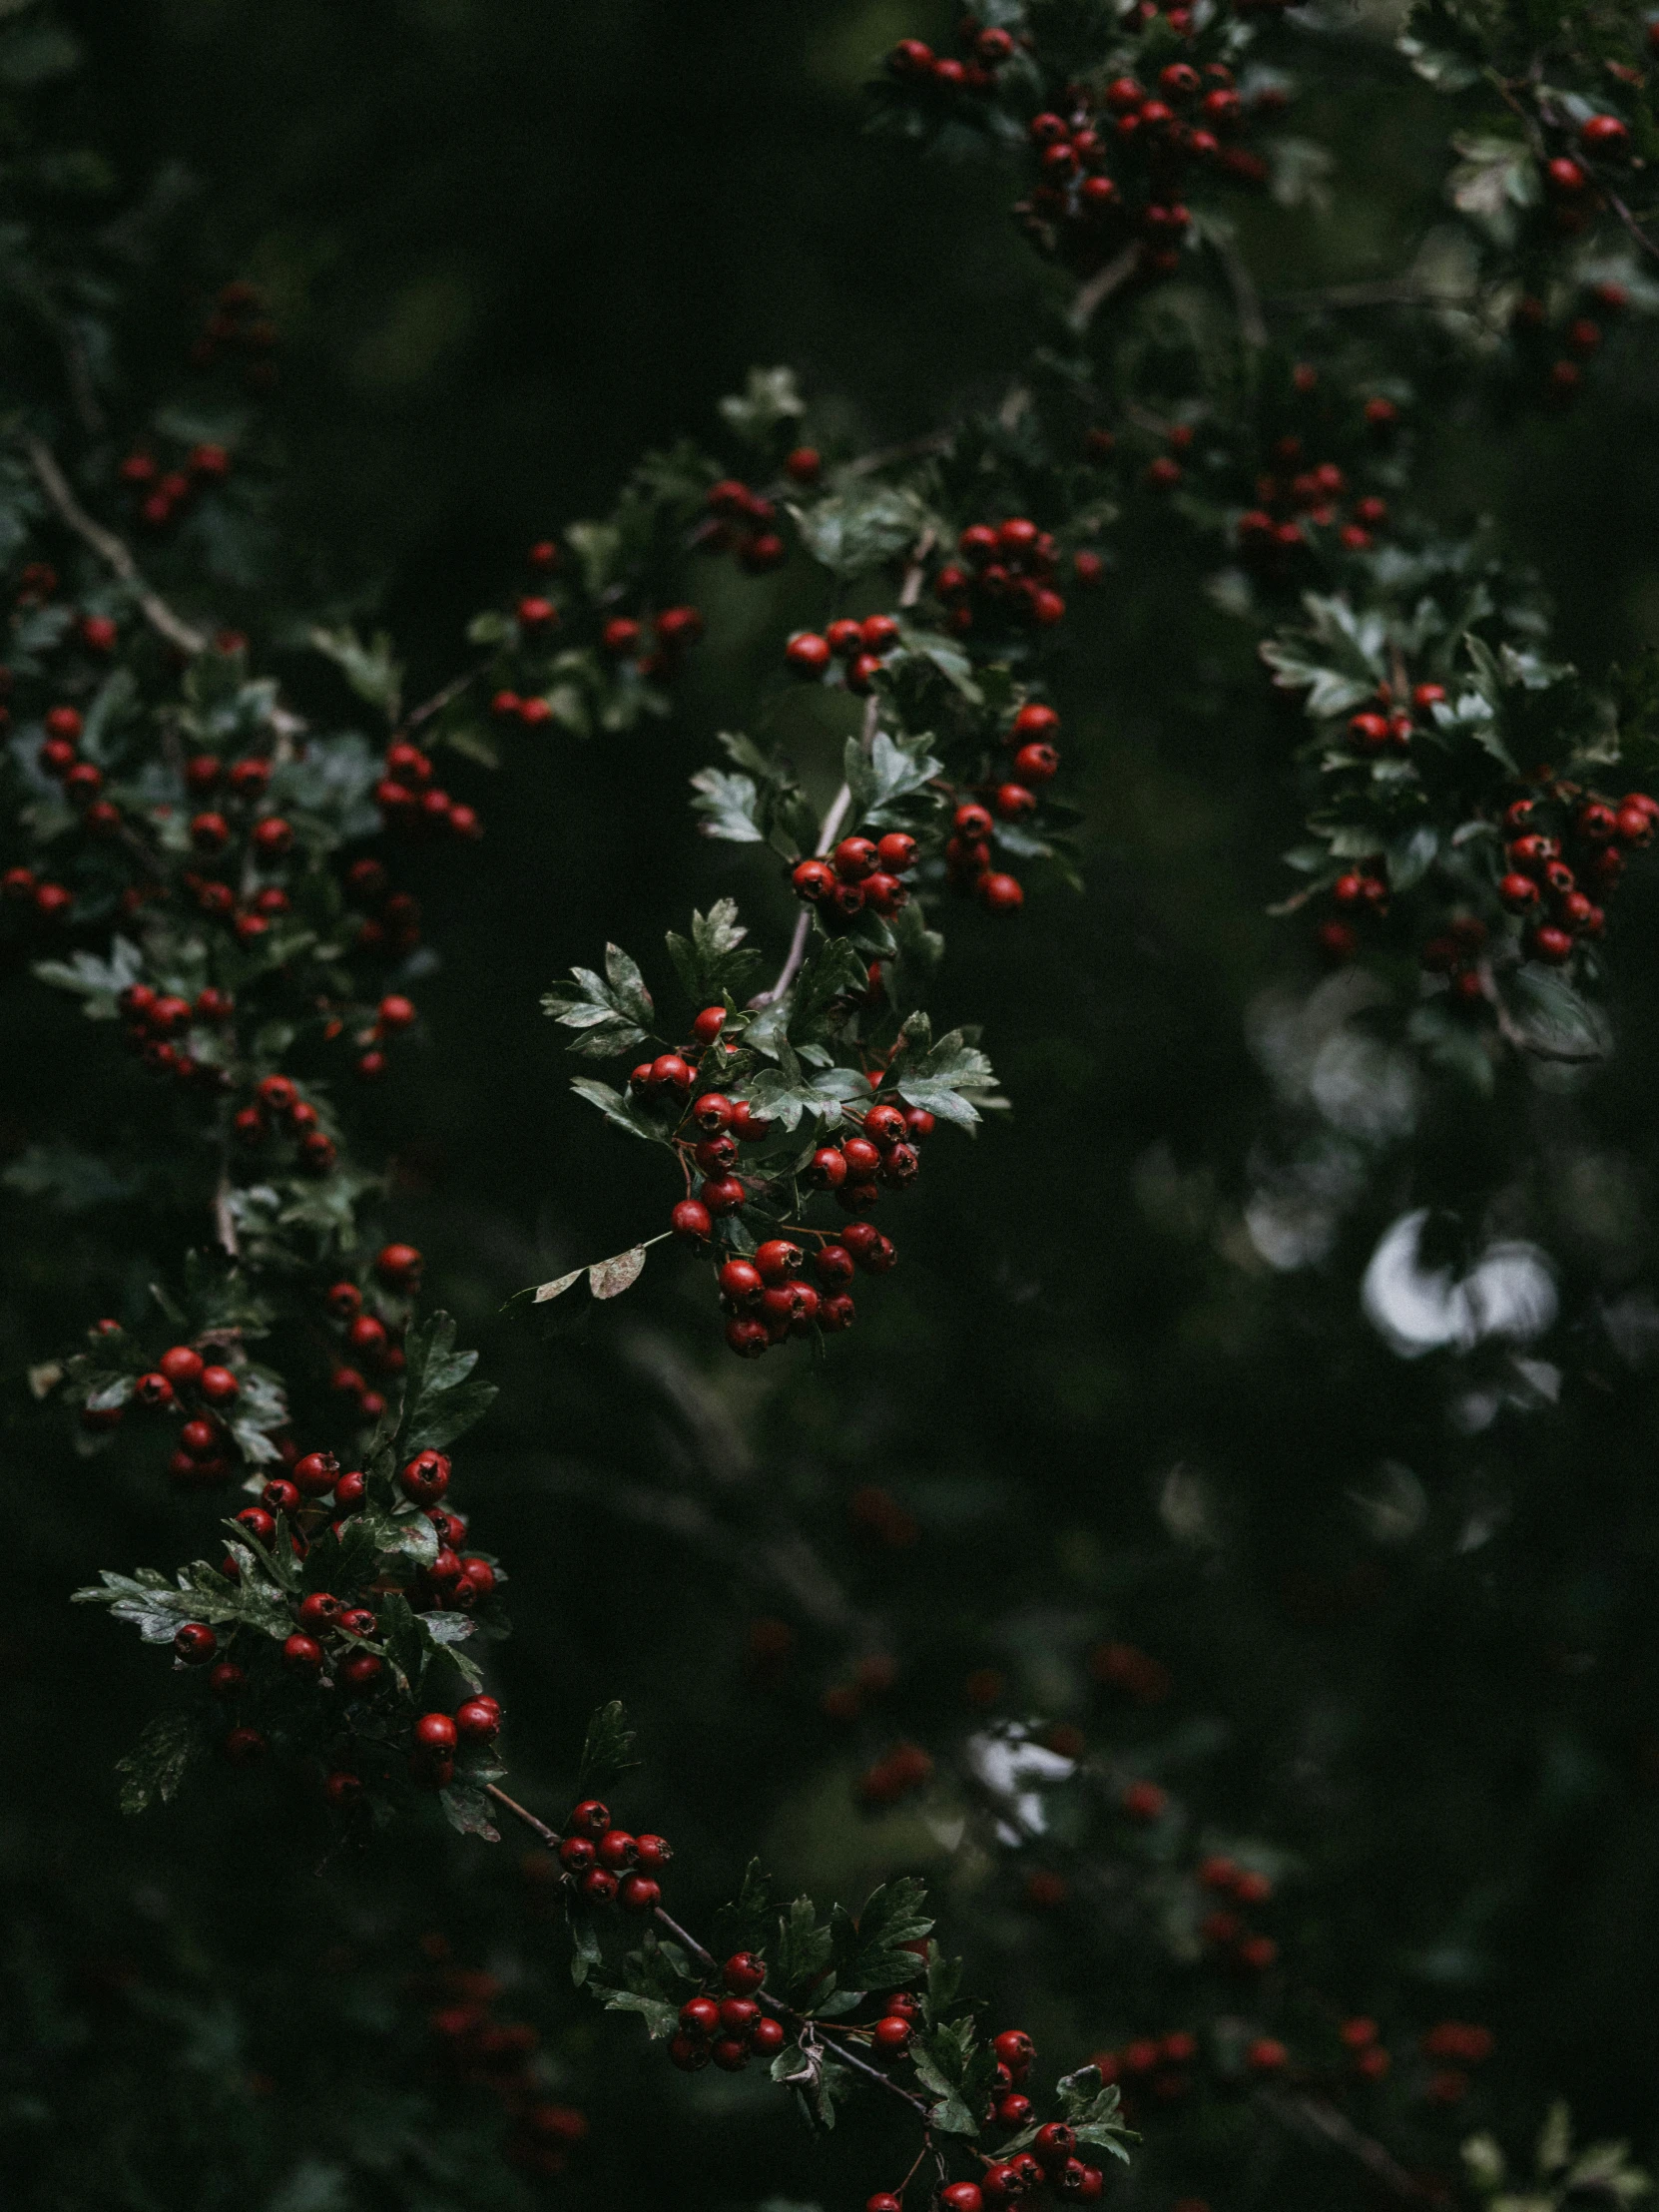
pixel 807 654
pixel 803 464
pixel 244 1747
pixel 1037 762
pixel 896 853
pixel 747 1337
pixel 315 1473
pixel 740 1281
pixel 303 1655
pixel 711 1112
pixel 813 880
pixel 962 2196
pixel 827 1169
pixel 153 1391
pixel 434 1732
pixel 1016 2050
pixel 319 1611
pixel 655 1851
pixel 478 1721
pixel 196 1643
pixel 226 1679
pixel 729 2055
pixel 779 1260
pixel 639 1894
pixel 1002 894
pixel 688 2052
pixel 709 1024
pixel 891 2036
pixel 399 1266
pixel 744 1973
pixel 218 1386
pixel 425 1477
pixel 691 1220
pixel 854 859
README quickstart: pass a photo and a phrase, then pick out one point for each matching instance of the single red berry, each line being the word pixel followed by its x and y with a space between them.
pixel 1053 2144
pixel 709 1024
pixel 691 1220
pixel 434 1732
pixel 315 1473
pixel 711 1113
pixel 723 1194
pixel 1002 895
pixel 218 1386
pixel 737 2016
pixel 655 1853
pixel 854 859
pixel 896 853
pixel 1016 2050
pixel 779 1260
pixel 744 1973
pixel 826 1170
pixel 153 1391
pixel 962 2196
pixel 807 654
pixel 425 1477
pixel 813 880
pixel 1037 762
pixel 196 1643
pixel 319 1611
pixel 637 1893
pixel 767 2037
pixel 303 1655
pixel 399 1266
pixel 688 2052
pixel 729 2054
pixel 226 1679
pixel 599 1886
pixel 740 1281
pixel 891 2036
pixel 590 1817
pixel 748 1337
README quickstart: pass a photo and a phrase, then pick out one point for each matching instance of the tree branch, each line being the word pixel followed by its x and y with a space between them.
pixel 1101 287
pixel 909 593
pixel 110 550
pixel 1313 2116
pixel 711 1964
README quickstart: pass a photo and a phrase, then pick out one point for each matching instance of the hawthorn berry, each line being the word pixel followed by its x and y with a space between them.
pixel 226 1679
pixel 962 2196
pixel 153 1391
pixel 1016 2050
pixel 655 1851
pixel 688 2052
pixel 740 1283
pixel 767 2037
pixel 637 1893
pixel 711 1113
pixel 891 2036
pixel 744 1973
pixel 303 1655
pixel 424 1479
pixel 691 1220
pixel 320 1610
pixel 589 1817
pixel 807 654
pixel 195 1643
pixel 315 1474
pixel 245 1747
pixel 218 1386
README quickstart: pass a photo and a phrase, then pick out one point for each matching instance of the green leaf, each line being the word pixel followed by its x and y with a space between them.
pixel 894 1915
pixel 467 1809
pixel 99 982
pixel 803 1949
pixel 440 1399
pixel 860 528
pixel 618 1107
pixel 729 805
pixel 369 668
pixel 893 771
pixel 748 1921
pixel 607 1013
pixel 585 1953
pixel 660 2018
pixel 716 962
pixel 950 2063
pixel 1092 2107
pixel 608 1751
pixel 947 1080
pixel 783 1093
pixel 837 971
pixel 770 398
pixel 155 1765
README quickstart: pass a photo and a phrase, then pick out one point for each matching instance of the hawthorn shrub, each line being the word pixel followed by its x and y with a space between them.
pixel 1181 1550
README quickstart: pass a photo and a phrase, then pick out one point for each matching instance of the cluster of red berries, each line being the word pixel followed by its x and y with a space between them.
pixel 729 2029
pixel 915 64
pixel 1573 198
pixel 1547 890
pixel 155 1026
pixel 372 1340
pixel 496 2055
pixel 1295 494
pixel 742 521
pixel 861 873
pixel 1161 2065
pixel 82 781
pixel 1453 2046
pixel 859 646
pixel 235 327
pixel 1126 1667
pixel 605 1864
pixel 1228 1935
pixel 1051 2164
pixel 435 1739
pixel 46 899
pixel 655 650
pixel 1359 894
pixel 967 853
pixel 184 1386
pixel 391 925
pixel 894 1775
pixel 769 1298
pixel 277 1110
pixel 1368 2058
pixel 1569 343
pixel 1005 577
pixel 410 803
pixel 162 494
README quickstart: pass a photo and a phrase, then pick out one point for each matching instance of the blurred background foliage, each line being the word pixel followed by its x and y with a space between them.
pixel 1406 1605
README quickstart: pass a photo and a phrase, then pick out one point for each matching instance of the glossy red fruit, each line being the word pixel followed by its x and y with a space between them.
pixel 655 1851
pixel 478 1721
pixel 813 880
pixel 218 1386
pixel 827 1169
pixel 424 1479
pixel 884 1124
pixel 807 654
pixel 711 1113
pixel 434 1733
pixel 303 1655
pixel 709 1023
pixel 319 1612
pixel 637 1893
pixel 729 2054
pixel 226 1679
pixel 779 1260
pixel 744 1973
pixel 1016 2050
pixel 315 1474
pixel 748 1337
pixel 691 1220
pixel 1000 893
pixel 1053 2144
pixel 688 2052
pixel 599 1886
pixel 1037 763
pixel 854 859
pixel 891 2036
pixel 153 1391
pixel 362 1670
pixel 195 1644
pixel 737 2016
pixel 740 1281
pixel 723 1194
pixel 767 2037
pixel 590 1817
pixel 962 2196
pixel 896 852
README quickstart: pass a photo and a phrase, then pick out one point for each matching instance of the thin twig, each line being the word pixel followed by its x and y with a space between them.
pixel 1247 301
pixel 110 550
pixel 1308 2116
pixel 225 1220
pixel 1632 225
pixel 1101 287
pixel 711 1964
pixel 440 698
pixel 912 449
